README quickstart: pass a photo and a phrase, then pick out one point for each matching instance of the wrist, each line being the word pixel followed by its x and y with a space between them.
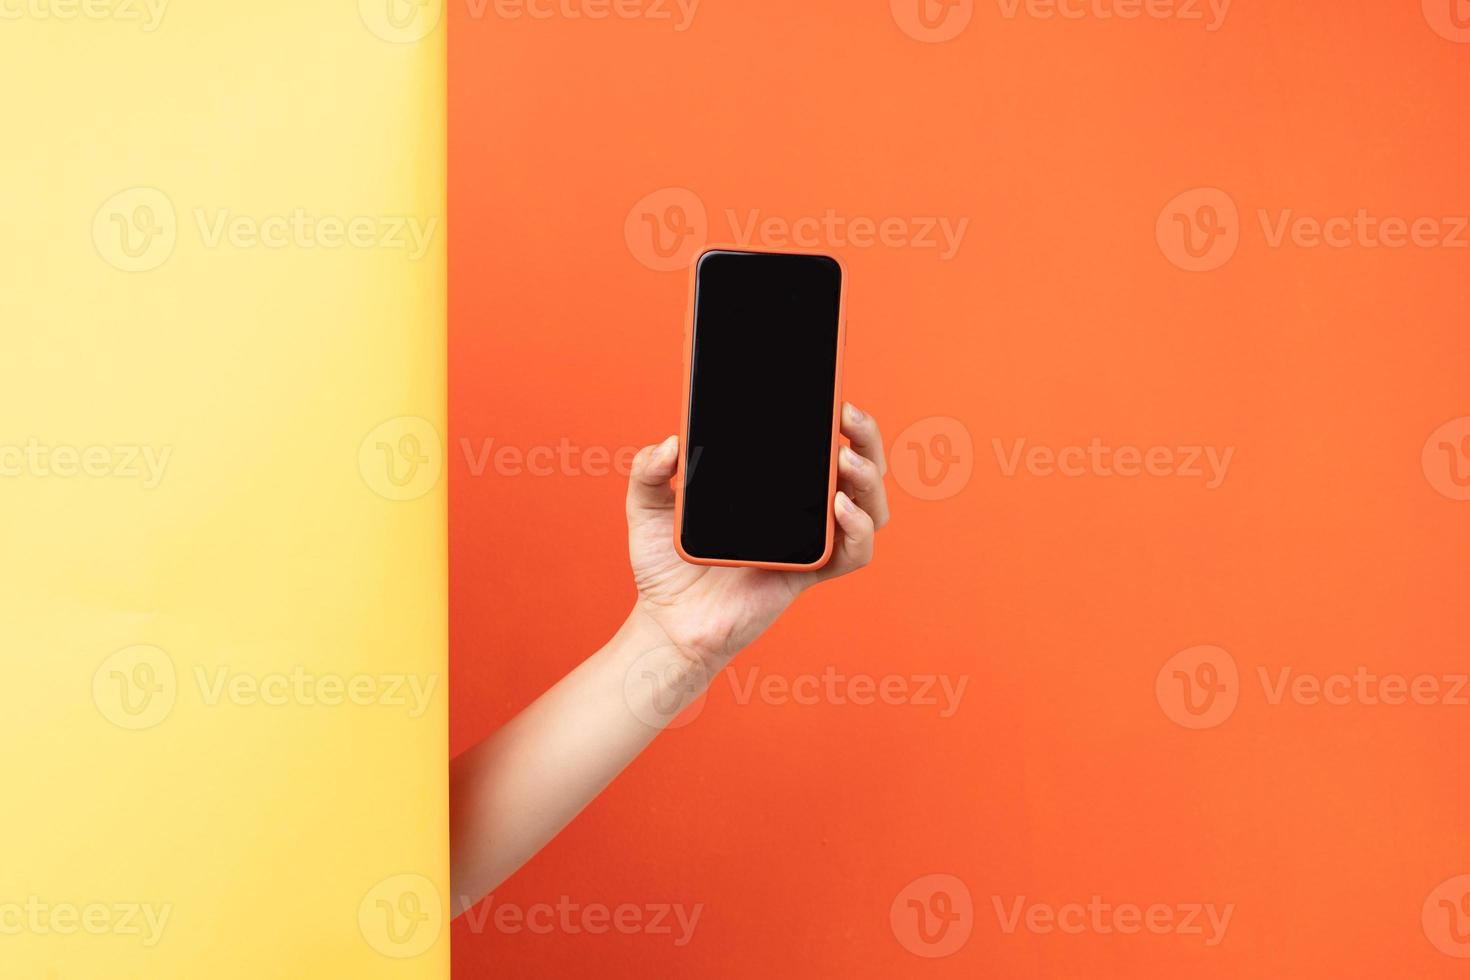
pixel 649 622
pixel 661 677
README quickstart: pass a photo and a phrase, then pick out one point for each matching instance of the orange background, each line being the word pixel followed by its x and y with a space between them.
pixel 1061 318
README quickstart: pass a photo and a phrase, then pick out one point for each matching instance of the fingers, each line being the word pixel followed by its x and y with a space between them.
pixel 861 480
pixel 861 505
pixel 861 468
pixel 862 430
pixel 649 486
pixel 854 546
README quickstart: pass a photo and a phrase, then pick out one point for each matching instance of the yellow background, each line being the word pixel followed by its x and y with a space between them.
pixel 271 544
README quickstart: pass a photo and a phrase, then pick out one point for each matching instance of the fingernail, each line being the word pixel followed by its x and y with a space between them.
pixel 666 448
pixel 845 502
pixel 854 412
pixel 851 457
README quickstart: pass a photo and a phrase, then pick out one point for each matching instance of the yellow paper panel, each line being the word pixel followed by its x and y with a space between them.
pixel 222 512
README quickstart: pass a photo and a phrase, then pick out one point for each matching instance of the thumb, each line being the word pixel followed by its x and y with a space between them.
pixel 649 489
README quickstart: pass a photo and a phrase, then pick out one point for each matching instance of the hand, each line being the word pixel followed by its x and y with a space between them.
pixel 710 613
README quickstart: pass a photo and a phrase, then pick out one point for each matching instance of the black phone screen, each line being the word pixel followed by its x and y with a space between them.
pixel 763 379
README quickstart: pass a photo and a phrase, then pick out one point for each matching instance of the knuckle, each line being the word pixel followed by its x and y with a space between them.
pixel 863 468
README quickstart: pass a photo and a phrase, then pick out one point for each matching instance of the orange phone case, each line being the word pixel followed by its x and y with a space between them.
pixel 684 419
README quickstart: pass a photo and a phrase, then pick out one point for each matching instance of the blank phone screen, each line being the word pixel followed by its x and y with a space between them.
pixel 763 378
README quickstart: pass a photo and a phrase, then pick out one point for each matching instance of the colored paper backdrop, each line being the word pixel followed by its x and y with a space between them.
pixel 1161 306
pixel 223 716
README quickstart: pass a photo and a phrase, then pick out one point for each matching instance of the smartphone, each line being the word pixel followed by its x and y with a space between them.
pixel 762 410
